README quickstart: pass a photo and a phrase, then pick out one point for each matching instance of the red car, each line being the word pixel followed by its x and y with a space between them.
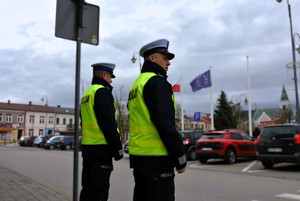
pixel 227 144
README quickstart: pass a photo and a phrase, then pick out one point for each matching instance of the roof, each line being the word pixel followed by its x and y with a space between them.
pixel 34 108
pixel 272 113
pixel 24 107
pixel 284 96
pixel 63 110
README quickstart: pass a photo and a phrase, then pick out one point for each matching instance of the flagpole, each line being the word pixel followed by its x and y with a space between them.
pixel 182 119
pixel 211 102
pixel 249 99
pixel 181 100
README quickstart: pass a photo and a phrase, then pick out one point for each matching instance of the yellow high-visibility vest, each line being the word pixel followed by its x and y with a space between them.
pixel 144 139
pixel 91 132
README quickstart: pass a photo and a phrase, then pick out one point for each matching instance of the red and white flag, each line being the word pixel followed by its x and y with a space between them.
pixel 176 87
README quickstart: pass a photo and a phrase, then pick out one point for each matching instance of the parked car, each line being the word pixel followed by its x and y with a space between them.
pixel 53 142
pixel 38 141
pixel 189 142
pixel 228 144
pixel 23 141
pixel 45 138
pixel 30 141
pixel 279 144
pixel 67 143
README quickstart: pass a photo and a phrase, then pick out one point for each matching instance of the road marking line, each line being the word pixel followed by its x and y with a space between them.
pixel 254 171
pixel 289 196
pixel 248 167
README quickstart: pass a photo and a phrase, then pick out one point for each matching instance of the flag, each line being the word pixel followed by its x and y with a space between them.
pixel 176 87
pixel 201 81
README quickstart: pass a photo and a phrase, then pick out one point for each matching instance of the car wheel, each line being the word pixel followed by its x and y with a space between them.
pixel 203 160
pixel 192 155
pixel 68 147
pixel 51 147
pixel 230 156
pixel 267 164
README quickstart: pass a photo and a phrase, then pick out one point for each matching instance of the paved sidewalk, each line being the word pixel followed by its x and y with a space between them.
pixel 17 187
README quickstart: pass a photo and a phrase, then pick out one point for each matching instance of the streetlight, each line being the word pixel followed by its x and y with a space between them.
pixel 44 97
pixel 133 59
pixel 238 100
pixel 235 101
pixel 294 60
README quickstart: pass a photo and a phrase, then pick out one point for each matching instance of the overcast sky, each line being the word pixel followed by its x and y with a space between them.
pixel 202 34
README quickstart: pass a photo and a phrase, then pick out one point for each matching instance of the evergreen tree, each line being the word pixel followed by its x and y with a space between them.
pixel 223 114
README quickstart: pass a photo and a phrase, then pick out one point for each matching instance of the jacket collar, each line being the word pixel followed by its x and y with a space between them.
pixel 98 80
pixel 150 66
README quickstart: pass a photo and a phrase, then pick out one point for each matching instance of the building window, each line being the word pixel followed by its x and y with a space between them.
pixel 20 118
pixel 64 121
pixel 71 121
pixel 8 118
pixel 41 132
pixel 50 120
pixel 1 117
pixel 30 132
pixel 31 119
pixel 57 121
pixel 42 119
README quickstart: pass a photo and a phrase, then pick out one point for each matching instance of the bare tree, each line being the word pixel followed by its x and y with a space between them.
pixel 122 113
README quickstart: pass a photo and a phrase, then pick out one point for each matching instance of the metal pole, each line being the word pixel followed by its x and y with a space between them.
pixel 249 99
pixel 211 102
pixel 77 98
pixel 294 63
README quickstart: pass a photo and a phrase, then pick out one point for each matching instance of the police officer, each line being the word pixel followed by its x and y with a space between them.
pixel 155 146
pixel 100 137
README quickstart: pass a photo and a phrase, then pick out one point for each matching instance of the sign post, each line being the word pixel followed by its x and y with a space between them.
pixel 78 21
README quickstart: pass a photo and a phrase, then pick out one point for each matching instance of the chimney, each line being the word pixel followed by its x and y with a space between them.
pixel 8 102
pixel 30 103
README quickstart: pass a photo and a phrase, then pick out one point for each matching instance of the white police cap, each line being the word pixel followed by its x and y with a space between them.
pixel 158 46
pixel 109 67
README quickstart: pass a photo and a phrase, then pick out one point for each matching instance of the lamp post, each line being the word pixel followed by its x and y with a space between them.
pixel 294 60
pixel 237 100
pixel 45 98
pixel 133 59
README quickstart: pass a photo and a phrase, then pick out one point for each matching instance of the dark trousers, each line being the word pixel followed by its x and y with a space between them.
pixel 95 181
pixel 154 185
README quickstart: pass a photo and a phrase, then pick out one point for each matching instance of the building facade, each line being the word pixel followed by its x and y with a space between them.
pixel 18 120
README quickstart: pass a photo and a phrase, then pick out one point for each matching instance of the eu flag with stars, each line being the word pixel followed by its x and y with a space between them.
pixel 201 81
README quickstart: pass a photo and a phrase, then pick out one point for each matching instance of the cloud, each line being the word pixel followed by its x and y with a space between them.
pixel 203 34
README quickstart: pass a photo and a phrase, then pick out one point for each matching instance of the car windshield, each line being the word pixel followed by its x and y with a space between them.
pixel 246 136
pixel 184 135
pixel 213 136
pixel 278 131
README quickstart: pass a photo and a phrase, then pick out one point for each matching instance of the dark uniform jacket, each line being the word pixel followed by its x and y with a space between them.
pixel 105 114
pixel 158 98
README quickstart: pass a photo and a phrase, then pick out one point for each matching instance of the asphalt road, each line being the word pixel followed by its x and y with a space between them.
pixel 215 181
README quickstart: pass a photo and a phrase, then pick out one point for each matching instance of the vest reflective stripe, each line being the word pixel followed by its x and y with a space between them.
pixel 144 137
pixel 91 132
